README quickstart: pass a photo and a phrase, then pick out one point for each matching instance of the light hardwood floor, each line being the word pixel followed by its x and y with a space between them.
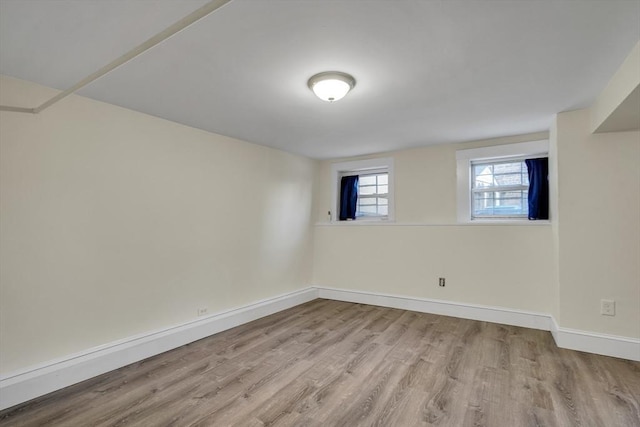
pixel 329 363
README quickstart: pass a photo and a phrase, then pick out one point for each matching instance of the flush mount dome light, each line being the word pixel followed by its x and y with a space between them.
pixel 331 85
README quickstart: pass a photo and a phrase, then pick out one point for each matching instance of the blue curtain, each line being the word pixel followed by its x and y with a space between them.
pixel 538 188
pixel 348 197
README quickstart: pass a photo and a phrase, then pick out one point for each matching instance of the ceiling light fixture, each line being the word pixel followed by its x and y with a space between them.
pixel 331 86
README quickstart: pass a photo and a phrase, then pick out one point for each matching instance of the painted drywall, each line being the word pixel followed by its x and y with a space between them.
pixel 555 219
pixel 616 108
pixel 115 223
pixel 497 265
pixel 425 190
pixel 487 265
pixel 599 226
pixel 589 252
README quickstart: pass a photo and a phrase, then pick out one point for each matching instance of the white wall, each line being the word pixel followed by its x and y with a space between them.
pixel 497 265
pixel 599 225
pixel 115 223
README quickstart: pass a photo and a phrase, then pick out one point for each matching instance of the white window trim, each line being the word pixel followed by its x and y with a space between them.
pixel 496 152
pixel 341 169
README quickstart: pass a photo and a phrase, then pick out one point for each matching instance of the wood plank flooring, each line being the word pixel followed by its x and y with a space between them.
pixel 329 363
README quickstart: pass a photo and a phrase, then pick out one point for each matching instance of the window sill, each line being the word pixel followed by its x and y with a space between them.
pixel 524 222
pixel 357 223
pixel 518 223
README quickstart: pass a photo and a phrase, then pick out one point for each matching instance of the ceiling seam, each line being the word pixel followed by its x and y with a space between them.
pixel 163 35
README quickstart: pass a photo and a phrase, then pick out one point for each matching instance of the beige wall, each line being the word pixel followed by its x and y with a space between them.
pixel 425 180
pixel 616 108
pixel 489 265
pixel 555 219
pixel 591 250
pixel 115 223
pixel 599 226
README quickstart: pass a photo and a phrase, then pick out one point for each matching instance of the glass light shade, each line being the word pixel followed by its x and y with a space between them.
pixel 331 86
pixel 331 90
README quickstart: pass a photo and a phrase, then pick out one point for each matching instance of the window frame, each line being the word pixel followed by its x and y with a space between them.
pixel 360 167
pixel 496 189
pixel 497 153
pixel 373 172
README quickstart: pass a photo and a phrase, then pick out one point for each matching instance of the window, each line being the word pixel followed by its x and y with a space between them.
pixel 499 189
pixel 374 189
pixel 493 182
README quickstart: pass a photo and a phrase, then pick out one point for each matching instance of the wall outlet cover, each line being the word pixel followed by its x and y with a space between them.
pixel 608 307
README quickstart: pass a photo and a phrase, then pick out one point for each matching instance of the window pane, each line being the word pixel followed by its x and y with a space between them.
pixel 368 209
pixel 483 195
pixel 500 203
pixel 364 190
pixel 508 179
pixel 499 173
pixel 483 181
pixel 492 176
pixel 507 168
pixel 373 186
pixel 367 201
pixel 483 170
pixel 369 205
pixel 509 195
pixel 367 180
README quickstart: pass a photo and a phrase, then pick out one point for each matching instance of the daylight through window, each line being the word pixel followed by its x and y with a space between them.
pixel 363 190
pixel 373 191
pixel 499 189
pixel 507 181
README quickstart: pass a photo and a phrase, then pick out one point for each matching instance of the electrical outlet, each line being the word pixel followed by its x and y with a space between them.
pixel 441 282
pixel 202 311
pixel 608 307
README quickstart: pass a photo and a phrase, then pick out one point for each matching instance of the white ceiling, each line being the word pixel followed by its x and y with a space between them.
pixel 427 72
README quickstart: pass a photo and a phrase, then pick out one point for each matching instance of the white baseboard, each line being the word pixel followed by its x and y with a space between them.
pixel 505 316
pixel 27 384
pixel 591 342
pixel 36 381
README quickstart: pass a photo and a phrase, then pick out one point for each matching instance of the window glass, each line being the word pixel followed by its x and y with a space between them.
pixel 372 195
pixel 493 181
pixel 367 180
pixel 499 189
pixel 375 195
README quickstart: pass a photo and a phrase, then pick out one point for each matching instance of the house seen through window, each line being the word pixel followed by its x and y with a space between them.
pixel 499 189
pixel 508 181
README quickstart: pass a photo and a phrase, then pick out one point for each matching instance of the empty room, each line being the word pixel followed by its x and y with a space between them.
pixel 320 213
